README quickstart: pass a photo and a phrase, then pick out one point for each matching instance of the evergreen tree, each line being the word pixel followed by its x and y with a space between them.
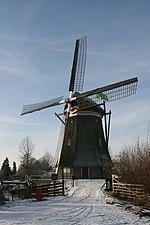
pixel 14 170
pixel 6 171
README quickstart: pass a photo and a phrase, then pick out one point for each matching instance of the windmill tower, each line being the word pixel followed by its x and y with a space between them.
pixel 83 144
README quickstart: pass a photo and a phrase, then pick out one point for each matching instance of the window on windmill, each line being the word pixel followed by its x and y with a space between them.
pixel 69 141
pixel 100 141
pixel 66 170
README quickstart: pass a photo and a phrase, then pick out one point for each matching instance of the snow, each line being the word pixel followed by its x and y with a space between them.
pixel 84 204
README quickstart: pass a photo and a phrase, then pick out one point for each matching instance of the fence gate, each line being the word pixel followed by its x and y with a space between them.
pixel 56 188
pixel 129 191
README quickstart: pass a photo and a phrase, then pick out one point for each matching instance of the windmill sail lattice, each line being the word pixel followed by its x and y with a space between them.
pixel 41 105
pixel 59 146
pixel 110 93
pixel 78 67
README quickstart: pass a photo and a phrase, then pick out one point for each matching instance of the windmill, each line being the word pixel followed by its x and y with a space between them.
pixel 82 150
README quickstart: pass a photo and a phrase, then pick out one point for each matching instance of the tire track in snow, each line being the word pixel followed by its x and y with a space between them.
pixel 73 216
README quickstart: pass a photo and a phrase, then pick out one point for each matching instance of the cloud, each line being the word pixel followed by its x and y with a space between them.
pixel 48 42
pixel 17 121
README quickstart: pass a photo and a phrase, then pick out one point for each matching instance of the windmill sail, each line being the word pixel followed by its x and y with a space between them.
pixel 59 146
pixel 41 105
pixel 109 93
pixel 78 67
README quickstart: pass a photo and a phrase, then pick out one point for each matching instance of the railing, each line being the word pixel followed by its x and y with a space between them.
pixel 128 191
pixel 56 188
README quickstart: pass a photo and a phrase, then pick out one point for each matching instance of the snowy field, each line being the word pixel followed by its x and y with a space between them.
pixel 83 204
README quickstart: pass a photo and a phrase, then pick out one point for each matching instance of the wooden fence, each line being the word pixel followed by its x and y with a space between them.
pixel 56 188
pixel 127 191
pixel 39 191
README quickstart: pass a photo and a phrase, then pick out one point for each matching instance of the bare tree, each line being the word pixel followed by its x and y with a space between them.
pixel 26 149
pixel 46 163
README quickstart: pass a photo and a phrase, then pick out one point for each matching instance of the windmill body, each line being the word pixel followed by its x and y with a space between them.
pixel 82 150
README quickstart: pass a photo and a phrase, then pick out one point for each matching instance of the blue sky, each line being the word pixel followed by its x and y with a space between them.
pixel 37 41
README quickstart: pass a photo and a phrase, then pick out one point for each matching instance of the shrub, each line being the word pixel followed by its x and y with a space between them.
pixel 133 164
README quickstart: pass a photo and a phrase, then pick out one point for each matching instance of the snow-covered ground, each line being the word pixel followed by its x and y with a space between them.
pixel 85 203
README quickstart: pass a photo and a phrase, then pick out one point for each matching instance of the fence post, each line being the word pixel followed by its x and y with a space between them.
pixel 54 188
pixel 63 189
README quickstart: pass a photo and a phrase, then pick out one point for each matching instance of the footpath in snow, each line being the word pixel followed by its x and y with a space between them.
pixel 84 204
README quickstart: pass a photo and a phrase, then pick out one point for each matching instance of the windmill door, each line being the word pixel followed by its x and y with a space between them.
pixel 85 172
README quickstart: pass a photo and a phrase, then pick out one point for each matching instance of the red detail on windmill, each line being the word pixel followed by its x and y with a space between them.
pixel 39 195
